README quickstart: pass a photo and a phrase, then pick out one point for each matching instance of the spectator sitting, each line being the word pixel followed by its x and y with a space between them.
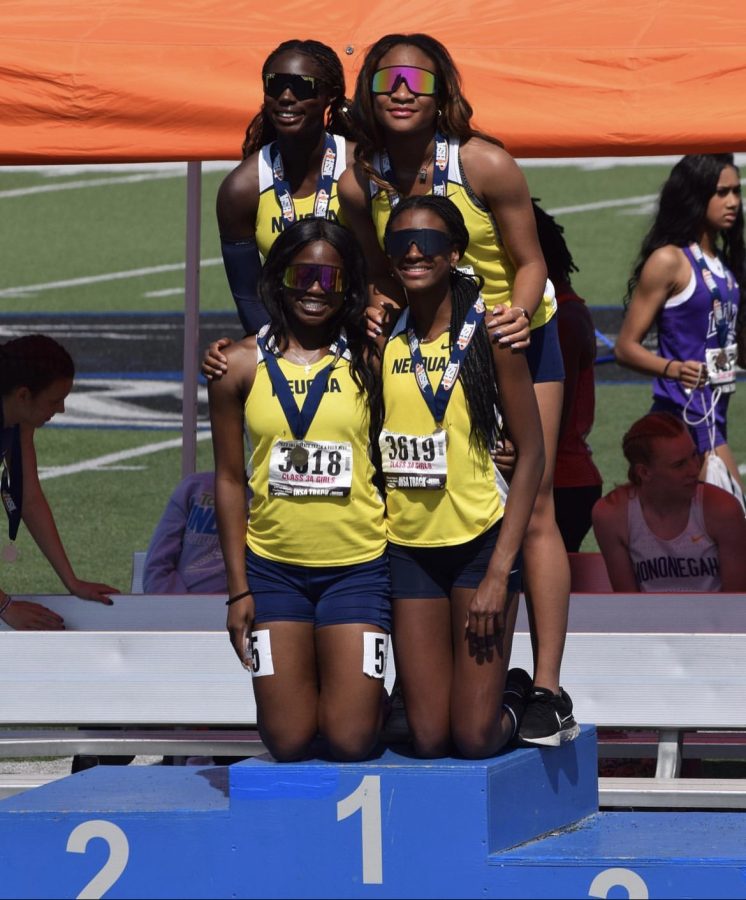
pixel 664 531
pixel 184 555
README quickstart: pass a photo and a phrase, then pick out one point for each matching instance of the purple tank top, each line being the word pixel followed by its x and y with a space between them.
pixel 687 329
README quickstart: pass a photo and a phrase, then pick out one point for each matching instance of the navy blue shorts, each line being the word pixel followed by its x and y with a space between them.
pixel 435 571
pixel 544 354
pixel 327 595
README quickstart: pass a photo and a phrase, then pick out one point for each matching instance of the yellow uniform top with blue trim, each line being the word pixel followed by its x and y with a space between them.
pixel 269 221
pixel 485 255
pixel 313 530
pixel 471 501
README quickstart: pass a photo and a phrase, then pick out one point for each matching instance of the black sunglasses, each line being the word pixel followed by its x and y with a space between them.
pixel 302 87
pixel 430 241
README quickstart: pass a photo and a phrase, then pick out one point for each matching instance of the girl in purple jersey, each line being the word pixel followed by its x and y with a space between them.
pixel 689 281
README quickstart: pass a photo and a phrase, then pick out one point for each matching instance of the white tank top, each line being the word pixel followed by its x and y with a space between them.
pixel 687 562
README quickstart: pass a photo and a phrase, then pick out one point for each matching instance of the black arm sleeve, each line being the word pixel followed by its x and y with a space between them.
pixel 243 266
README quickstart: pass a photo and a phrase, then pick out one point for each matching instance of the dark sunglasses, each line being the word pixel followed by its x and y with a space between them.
pixel 302 276
pixel 429 241
pixel 418 81
pixel 302 87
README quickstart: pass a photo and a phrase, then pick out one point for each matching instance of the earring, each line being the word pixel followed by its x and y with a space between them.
pixel 440 113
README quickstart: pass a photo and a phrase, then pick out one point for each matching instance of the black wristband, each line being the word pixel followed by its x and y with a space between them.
pixel 238 597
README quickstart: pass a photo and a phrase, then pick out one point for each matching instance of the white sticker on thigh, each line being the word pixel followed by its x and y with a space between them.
pixel 260 652
pixel 375 653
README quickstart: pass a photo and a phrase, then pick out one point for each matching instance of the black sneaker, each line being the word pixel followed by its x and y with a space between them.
pixel 548 720
pixel 518 687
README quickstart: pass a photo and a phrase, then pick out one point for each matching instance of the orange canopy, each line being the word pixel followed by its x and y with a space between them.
pixel 150 80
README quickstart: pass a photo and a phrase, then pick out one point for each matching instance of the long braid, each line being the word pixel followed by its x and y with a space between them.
pixel 477 373
pixel 261 131
pixel 557 256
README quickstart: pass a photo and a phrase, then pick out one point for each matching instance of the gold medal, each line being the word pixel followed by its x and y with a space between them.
pixel 299 457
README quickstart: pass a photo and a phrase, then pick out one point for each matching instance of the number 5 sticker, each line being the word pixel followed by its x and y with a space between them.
pixel 375 653
pixel 260 649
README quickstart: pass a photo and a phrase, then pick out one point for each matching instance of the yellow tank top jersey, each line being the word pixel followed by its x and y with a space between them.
pixel 485 254
pixel 313 531
pixel 269 223
pixel 470 503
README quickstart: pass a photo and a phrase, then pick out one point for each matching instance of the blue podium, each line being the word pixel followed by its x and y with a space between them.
pixel 523 824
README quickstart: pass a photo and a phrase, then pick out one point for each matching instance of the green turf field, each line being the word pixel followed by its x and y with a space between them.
pixel 93 228
pixel 113 240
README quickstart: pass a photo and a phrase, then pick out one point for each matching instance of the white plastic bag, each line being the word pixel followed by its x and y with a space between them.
pixel 717 473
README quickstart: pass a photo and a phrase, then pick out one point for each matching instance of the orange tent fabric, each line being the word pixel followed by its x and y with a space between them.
pixel 123 80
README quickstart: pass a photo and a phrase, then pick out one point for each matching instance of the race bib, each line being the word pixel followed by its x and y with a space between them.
pixel 375 654
pixel 259 651
pixel 310 468
pixel 414 460
pixel 721 367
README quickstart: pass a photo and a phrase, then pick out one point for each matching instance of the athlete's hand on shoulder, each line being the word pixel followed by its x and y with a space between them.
pixel 239 624
pixel 486 614
pixel 509 326
pixel 26 616
pixel 92 590
pixel 382 312
pixel 380 319
pixel 214 363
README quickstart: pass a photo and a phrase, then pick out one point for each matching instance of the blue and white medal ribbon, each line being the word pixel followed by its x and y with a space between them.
pixel 440 170
pixel 323 185
pixel 300 420
pixel 437 402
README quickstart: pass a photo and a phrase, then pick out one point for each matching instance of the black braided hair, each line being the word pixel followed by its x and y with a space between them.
pixel 477 374
pixel 557 256
pixel 260 130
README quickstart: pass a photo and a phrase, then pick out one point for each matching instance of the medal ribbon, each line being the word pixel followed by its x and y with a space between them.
pixel 721 322
pixel 437 402
pixel 440 169
pixel 300 420
pixel 323 185
pixel 11 482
